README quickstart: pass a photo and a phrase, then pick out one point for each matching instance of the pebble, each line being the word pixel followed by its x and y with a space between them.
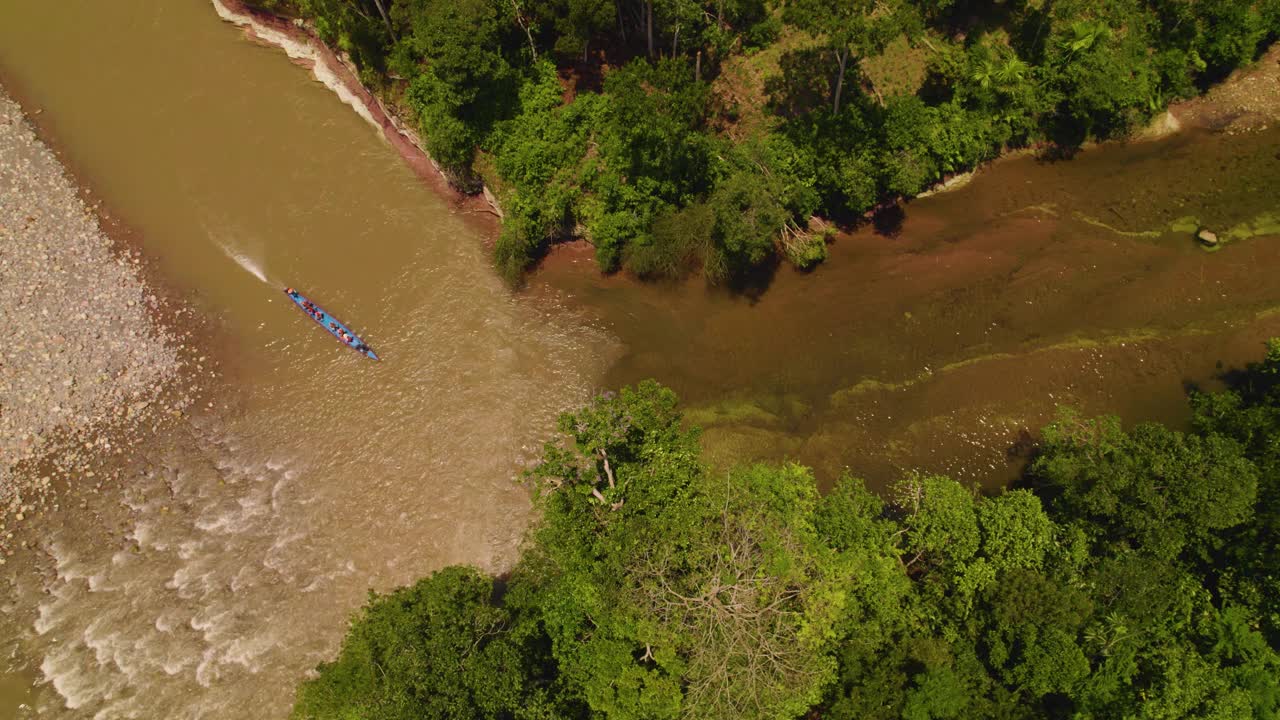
pixel 61 284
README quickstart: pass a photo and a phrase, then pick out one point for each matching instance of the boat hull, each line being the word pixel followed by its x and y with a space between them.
pixel 330 323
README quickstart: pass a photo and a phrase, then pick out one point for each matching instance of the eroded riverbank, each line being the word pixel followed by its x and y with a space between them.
pixel 298 40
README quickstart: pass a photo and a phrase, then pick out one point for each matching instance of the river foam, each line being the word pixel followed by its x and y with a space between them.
pixel 300 50
pixel 223 564
pixel 216 615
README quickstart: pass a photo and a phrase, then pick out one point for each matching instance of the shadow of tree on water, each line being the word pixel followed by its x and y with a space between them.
pixel 887 220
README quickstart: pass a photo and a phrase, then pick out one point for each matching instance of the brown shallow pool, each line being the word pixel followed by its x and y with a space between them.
pixel 938 340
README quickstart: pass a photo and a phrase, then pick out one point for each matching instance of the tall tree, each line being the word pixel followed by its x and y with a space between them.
pixel 851 30
pixel 1157 491
pixel 669 592
pixel 386 19
pixel 439 648
pixel 464 79
pixel 576 23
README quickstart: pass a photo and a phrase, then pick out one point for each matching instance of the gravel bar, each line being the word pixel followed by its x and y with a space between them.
pixel 81 350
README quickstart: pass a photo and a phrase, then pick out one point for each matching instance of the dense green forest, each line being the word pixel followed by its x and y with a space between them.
pixel 673 133
pixel 1133 574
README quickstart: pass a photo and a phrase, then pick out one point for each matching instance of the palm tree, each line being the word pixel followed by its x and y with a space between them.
pixel 1084 35
pixel 1011 71
pixel 985 72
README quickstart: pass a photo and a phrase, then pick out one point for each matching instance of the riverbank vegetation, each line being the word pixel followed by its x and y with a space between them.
pixel 673 133
pixel 1132 574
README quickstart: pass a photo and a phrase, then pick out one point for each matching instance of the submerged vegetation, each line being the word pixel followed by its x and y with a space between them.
pixel 1133 574
pixel 673 132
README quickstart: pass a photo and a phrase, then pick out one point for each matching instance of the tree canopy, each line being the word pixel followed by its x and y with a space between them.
pixel 1132 574
pixel 610 120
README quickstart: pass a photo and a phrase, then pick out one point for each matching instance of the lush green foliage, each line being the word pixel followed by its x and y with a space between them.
pixel 441 648
pixel 1250 556
pixel 629 162
pixel 1136 576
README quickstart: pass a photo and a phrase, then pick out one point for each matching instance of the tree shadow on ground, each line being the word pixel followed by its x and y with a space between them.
pixel 803 85
pixel 887 220
pixel 1057 152
pixel 754 282
pixel 1254 382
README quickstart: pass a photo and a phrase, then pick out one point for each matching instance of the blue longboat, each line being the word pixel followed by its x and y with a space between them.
pixel 330 323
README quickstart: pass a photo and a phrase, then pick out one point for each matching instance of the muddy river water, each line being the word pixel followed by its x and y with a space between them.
pixel 207 584
pixel 938 340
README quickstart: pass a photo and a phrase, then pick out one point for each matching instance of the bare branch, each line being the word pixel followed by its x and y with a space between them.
pixel 524 25
pixel 608 471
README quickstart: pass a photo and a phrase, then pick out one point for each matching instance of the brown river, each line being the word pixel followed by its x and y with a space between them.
pixel 224 568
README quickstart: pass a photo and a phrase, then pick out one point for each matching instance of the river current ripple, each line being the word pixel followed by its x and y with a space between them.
pixel 224 566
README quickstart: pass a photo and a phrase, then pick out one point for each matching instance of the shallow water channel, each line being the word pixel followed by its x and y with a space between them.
pixel 941 338
pixel 211 581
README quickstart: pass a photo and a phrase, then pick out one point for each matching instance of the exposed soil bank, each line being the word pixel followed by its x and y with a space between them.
pixel 1248 100
pixel 335 72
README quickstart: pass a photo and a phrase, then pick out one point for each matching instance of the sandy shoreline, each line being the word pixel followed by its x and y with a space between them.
pixel 91 364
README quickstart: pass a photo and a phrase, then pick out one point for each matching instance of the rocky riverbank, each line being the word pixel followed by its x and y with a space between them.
pixel 85 363
pixel 1248 101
